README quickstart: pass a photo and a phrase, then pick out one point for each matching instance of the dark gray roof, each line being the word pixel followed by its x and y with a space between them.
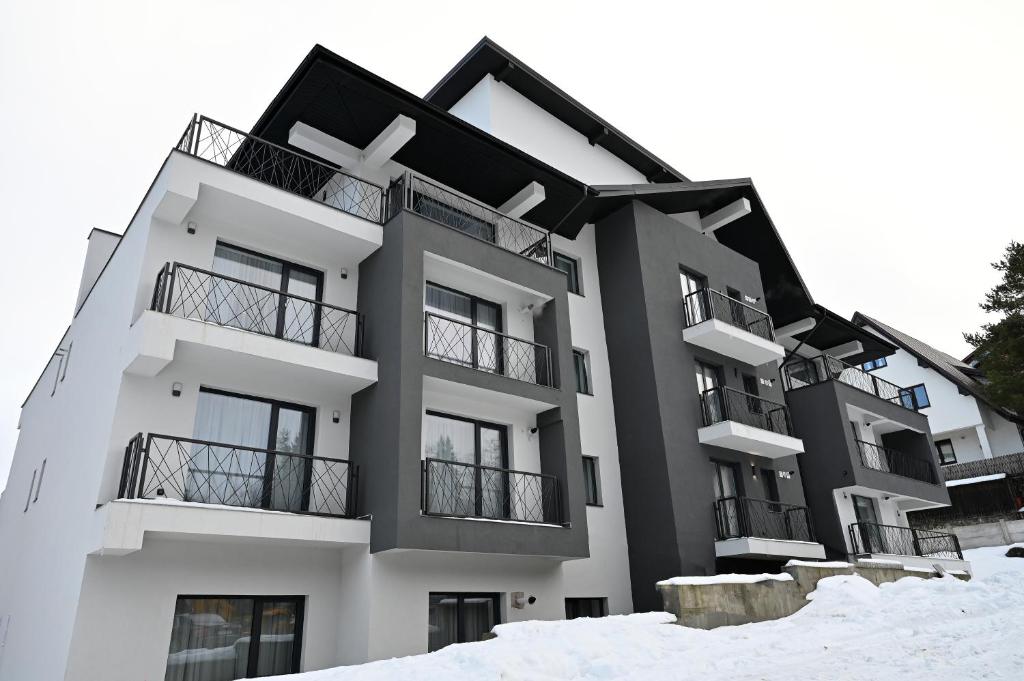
pixel 963 375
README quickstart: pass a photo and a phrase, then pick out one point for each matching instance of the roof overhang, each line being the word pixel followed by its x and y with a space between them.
pixel 832 330
pixel 354 105
pixel 487 57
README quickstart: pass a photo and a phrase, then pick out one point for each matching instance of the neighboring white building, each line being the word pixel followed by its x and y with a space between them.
pixel 343 390
pixel 965 424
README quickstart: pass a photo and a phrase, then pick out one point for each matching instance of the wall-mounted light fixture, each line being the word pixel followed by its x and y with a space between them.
pixel 344 273
pixel 176 389
pixel 192 227
pixel 336 416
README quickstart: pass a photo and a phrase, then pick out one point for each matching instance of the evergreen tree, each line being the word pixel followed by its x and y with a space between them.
pixel 1000 346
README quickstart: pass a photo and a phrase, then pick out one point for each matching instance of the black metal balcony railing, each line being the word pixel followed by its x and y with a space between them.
pixel 728 404
pixel 888 460
pixel 465 490
pixel 798 373
pixel 161 466
pixel 743 517
pixel 485 350
pixel 284 168
pixel 459 212
pixel 707 303
pixel 192 293
pixel 873 538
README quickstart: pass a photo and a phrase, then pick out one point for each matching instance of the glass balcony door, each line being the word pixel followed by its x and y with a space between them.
pixel 222 469
pixel 469 342
pixel 468 489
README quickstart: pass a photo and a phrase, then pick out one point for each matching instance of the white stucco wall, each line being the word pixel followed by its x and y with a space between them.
pixel 498 109
pixel 606 572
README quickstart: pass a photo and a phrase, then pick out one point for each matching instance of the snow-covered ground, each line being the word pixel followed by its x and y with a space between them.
pixel 911 630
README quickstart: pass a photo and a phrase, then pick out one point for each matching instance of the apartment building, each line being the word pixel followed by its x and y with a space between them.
pixel 980 444
pixel 385 371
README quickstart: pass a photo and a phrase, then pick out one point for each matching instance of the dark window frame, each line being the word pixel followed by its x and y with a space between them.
pixel 477 425
pixel 592 494
pixel 573 613
pixel 287 267
pixel 581 359
pixel 909 394
pixel 572 275
pixel 257 621
pixel 460 598
pixel 879 363
pixel 474 303
pixel 952 450
pixel 275 409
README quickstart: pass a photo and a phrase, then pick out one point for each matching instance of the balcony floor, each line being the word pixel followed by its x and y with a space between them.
pixel 757 547
pixel 120 526
pixel 744 438
pixel 732 341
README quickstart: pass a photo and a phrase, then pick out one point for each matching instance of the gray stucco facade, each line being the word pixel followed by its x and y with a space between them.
pixel 832 457
pixel 386 435
pixel 666 472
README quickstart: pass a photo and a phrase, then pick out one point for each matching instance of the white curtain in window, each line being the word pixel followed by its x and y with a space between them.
pixel 245 307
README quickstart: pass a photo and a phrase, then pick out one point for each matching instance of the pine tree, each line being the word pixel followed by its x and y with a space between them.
pixel 1000 346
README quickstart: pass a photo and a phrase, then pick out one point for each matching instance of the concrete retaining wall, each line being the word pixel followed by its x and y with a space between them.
pixel 707 606
pixel 998 533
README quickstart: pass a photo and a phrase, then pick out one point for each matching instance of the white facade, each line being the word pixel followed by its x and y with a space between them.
pixel 973 428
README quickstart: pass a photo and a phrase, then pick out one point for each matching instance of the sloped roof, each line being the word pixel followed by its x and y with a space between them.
pixel 963 375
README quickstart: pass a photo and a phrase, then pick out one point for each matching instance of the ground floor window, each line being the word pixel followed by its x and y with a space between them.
pixel 460 618
pixel 585 607
pixel 234 637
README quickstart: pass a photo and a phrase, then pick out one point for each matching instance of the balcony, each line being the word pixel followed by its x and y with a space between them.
pixel 459 212
pixel 888 460
pixel 456 342
pixel 759 528
pixel 201 472
pixel 803 372
pixel 716 322
pixel 460 490
pixel 747 423
pixel 893 540
pixel 286 169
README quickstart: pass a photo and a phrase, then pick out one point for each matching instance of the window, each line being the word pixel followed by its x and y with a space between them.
pixel 581 363
pixel 571 267
pixel 585 607
pixel 874 364
pixel 458 329
pixel 457 488
pixel 231 304
pixel 712 402
pixel 695 307
pixel 727 510
pixel 234 637
pixel 946 453
pixel 591 481
pixel 460 618
pixel 915 397
pixel 237 477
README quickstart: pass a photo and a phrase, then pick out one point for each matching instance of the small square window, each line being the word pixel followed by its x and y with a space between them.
pixel 582 365
pixel 915 397
pixel 585 607
pixel 946 453
pixel 874 364
pixel 591 481
pixel 571 267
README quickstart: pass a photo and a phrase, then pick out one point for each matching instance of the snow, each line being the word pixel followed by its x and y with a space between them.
pixel 971 481
pixel 941 629
pixel 725 579
pixel 818 563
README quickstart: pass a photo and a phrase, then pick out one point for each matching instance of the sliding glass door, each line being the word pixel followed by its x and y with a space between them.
pixel 258 308
pixel 475 483
pixel 469 340
pixel 460 618
pixel 230 463
pixel 233 637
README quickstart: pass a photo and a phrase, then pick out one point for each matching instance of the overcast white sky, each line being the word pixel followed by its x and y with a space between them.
pixel 886 138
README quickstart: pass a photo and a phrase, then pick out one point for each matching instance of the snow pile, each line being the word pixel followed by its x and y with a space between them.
pixel 818 563
pixel 912 630
pixel 725 579
pixel 992 560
